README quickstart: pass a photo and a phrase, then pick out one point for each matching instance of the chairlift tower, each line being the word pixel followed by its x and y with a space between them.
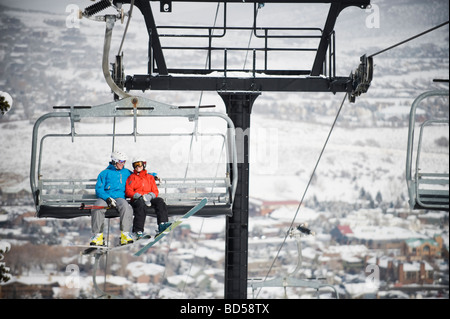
pixel 240 92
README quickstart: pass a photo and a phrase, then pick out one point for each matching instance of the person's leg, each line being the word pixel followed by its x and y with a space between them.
pixel 126 220
pixel 139 215
pixel 98 217
pixel 162 215
pixel 97 222
pixel 126 214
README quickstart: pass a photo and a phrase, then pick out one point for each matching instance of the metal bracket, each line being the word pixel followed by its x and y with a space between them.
pixel 362 78
pixel 100 292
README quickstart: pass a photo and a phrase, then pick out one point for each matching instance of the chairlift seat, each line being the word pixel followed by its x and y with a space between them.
pixel 431 197
pixel 426 190
pixel 62 198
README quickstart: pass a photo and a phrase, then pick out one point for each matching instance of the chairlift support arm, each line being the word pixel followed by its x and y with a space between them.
pixel 159 77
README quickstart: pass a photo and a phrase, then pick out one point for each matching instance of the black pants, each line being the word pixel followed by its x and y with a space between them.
pixel 139 212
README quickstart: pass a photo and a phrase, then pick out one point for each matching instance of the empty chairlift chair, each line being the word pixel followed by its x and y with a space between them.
pixel 427 187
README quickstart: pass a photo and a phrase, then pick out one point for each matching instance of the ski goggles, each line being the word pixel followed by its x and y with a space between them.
pixel 119 162
pixel 140 163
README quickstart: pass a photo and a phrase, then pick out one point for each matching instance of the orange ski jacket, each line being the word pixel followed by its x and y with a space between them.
pixel 142 183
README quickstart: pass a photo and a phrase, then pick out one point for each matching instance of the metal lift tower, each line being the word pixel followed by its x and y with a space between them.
pixel 239 93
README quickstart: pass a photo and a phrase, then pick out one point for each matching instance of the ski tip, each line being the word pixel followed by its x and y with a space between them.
pixel 192 211
pixel 138 253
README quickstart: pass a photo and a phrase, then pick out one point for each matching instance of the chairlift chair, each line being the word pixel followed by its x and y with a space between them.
pixel 64 197
pixel 427 189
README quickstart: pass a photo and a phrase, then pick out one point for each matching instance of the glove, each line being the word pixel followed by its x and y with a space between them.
pixel 148 197
pixel 111 202
pixel 136 196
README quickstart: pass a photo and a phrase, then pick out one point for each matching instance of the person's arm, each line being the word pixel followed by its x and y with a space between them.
pixel 129 189
pixel 100 186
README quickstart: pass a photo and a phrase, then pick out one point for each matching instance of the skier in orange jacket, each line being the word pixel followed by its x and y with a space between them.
pixel 141 188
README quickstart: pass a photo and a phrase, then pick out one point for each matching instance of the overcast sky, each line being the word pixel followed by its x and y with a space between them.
pixel 56 6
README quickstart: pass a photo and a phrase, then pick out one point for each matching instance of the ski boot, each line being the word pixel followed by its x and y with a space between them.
pixel 97 240
pixel 162 227
pixel 141 235
pixel 125 238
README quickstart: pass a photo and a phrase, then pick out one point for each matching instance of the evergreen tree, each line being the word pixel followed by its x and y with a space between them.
pixel 4 105
pixel 378 197
pixel 4 271
pixel 362 193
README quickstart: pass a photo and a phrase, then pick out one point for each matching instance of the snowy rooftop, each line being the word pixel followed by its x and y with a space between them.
pixel 386 233
pixel 139 268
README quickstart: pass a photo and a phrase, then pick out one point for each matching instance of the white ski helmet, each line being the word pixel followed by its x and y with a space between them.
pixel 118 156
pixel 137 159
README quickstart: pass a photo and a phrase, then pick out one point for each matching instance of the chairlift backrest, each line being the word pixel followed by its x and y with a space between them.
pixel 427 189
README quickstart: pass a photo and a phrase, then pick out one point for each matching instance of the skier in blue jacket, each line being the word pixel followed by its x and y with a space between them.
pixel 110 190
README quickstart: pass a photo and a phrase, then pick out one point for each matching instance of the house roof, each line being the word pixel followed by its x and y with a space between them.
pixel 345 229
pixel 280 202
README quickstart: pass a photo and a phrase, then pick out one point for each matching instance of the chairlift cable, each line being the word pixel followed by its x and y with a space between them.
pixel 107 255
pixel 197 107
pixel 170 237
pixel 109 222
pixel 250 39
pixel 409 39
pixel 207 56
pixel 126 27
pixel 207 59
pixel 306 189
pixel 193 258
pixel 203 220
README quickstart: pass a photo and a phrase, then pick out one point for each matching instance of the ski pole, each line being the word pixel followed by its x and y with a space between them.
pixel 83 206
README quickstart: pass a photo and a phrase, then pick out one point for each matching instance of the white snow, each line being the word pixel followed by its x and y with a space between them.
pixel 4 246
pixel 384 233
pixel 138 268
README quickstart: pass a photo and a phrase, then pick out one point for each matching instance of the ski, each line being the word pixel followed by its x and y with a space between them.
pixel 91 249
pixel 175 224
pixel 103 249
pixel 141 241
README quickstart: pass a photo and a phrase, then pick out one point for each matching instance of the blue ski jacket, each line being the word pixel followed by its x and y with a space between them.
pixel 111 182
